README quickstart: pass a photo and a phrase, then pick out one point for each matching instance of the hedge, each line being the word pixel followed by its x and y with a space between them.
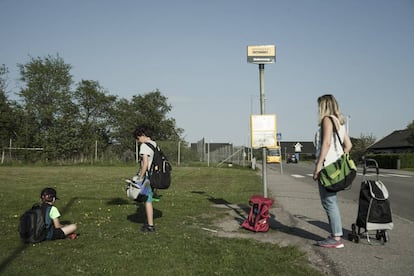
pixel 393 161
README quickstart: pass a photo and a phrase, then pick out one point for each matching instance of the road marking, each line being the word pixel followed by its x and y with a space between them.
pixel 385 175
pixel 399 175
pixel 372 174
pixel 297 176
pixel 368 175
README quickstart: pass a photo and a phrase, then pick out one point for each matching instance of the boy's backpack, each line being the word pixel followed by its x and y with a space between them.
pixel 35 224
pixel 257 221
pixel 160 170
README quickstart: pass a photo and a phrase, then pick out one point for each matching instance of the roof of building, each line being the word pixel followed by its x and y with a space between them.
pixel 397 139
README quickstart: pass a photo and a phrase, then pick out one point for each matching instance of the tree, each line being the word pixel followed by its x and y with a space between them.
pixel 360 145
pixel 6 119
pixel 95 114
pixel 50 113
pixel 150 109
pixel 3 78
pixel 411 136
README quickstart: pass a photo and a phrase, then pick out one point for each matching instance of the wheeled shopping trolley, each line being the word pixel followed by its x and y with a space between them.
pixel 374 210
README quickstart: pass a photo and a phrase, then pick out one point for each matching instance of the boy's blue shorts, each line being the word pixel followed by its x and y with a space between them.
pixel 149 199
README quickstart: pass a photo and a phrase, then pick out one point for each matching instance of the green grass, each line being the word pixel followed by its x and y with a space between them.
pixel 108 223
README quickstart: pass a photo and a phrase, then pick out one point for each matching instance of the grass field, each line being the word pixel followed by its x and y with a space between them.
pixel 110 241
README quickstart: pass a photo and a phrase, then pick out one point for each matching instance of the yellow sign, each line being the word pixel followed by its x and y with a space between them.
pixel 261 54
pixel 263 131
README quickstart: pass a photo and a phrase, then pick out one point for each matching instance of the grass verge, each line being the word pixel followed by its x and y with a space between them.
pixel 108 223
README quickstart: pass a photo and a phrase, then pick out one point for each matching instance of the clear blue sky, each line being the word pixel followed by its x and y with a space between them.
pixel 194 52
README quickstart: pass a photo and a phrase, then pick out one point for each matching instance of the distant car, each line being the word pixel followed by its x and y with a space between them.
pixel 291 159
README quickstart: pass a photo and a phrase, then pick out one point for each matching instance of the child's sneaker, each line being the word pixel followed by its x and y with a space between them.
pixel 72 236
pixel 155 197
pixel 331 243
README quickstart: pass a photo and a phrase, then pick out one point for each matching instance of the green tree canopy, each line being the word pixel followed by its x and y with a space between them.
pixel 50 113
pixel 360 145
pixel 96 111
pixel 76 123
pixel 149 109
pixel 411 136
pixel 7 118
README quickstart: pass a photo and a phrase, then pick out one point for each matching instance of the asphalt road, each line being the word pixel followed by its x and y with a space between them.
pixel 400 185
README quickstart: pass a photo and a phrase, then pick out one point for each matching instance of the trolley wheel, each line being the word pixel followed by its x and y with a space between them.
pixel 378 235
pixel 385 236
pixel 354 235
pixel 357 239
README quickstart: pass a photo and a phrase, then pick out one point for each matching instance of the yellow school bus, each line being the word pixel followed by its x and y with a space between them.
pixel 273 155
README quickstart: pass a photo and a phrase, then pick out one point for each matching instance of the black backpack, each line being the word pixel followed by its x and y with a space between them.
pixel 160 170
pixel 35 224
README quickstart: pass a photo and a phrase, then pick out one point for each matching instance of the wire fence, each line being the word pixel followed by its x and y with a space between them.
pixel 221 154
pixel 212 154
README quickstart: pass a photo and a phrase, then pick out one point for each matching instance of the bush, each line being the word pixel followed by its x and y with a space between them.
pixel 394 161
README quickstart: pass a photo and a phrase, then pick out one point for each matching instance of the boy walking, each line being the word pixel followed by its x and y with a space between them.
pixel 143 135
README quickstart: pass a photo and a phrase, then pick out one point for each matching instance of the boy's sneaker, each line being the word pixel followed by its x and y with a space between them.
pixel 155 197
pixel 72 236
pixel 147 228
pixel 331 243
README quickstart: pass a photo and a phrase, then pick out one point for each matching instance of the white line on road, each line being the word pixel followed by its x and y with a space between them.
pixel 399 175
pixel 297 176
pixel 360 174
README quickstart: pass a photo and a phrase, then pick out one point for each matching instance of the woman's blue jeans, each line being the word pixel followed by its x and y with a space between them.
pixel 330 204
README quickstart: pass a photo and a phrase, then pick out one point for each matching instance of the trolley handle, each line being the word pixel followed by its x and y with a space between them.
pixel 370 164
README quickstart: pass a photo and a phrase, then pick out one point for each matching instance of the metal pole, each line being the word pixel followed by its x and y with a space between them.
pixel 262 111
pixel 251 142
pixel 96 150
pixel 179 153
pixel 136 151
pixel 208 154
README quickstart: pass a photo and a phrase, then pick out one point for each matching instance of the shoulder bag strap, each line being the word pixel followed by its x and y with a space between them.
pixel 151 146
pixel 336 132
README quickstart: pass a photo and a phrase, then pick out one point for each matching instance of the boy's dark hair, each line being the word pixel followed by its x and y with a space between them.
pixel 142 130
pixel 48 194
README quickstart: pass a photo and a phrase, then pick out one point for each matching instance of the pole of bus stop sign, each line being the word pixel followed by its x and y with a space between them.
pixel 262 111
pixel 262 54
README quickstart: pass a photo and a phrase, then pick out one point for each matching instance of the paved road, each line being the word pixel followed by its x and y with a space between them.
pixel 299 215
pixel 400 185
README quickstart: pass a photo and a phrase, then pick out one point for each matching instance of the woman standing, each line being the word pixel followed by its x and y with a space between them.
pixel 328 150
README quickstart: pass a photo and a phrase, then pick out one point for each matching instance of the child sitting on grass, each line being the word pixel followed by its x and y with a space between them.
pixel 58 231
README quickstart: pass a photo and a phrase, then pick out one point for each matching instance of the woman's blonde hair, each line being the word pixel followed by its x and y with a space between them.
pixel 329 106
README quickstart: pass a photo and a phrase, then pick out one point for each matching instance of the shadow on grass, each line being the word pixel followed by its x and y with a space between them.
pixel 118 201
pixel 139 215
pixel 66 208
pixel 23 246
pixel 242 212
pixel 14 255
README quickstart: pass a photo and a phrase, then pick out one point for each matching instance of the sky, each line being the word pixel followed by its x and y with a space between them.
pixel 195 53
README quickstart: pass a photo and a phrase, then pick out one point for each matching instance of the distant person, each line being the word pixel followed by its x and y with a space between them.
pixel 298 149
pixel 58 231
pixel 143 135
pixel 327 151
